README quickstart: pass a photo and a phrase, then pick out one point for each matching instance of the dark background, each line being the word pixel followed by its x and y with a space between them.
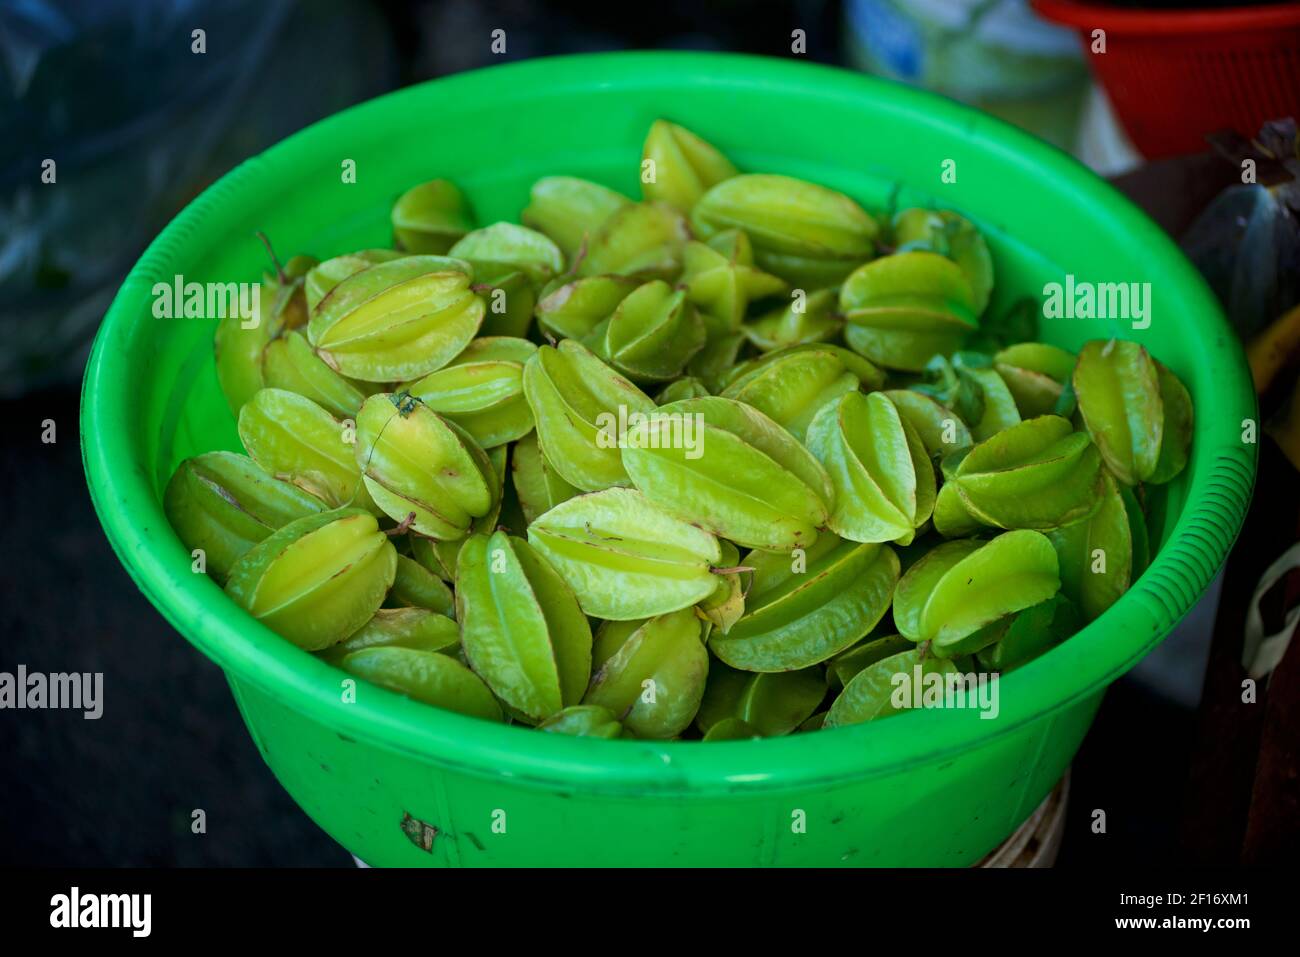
pixel 120 790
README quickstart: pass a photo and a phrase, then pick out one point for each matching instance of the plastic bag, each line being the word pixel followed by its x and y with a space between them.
pixel 136 123
pixel 1247 241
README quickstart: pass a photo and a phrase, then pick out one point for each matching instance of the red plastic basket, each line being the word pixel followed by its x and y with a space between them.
pixel 1174 76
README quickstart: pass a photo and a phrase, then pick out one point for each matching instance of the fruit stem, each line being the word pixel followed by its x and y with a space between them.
pixel 279 270
pixel 732 569
pixel 402 526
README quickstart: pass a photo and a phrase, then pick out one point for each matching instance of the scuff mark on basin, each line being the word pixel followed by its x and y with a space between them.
pixel 419 833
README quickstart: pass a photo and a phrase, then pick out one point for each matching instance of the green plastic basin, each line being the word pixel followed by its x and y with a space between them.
pixel 924 788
